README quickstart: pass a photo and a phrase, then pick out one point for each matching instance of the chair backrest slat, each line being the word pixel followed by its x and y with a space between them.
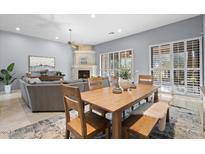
pixel 114 80
pixel 95 83
pixel 145 79
pixel 106 82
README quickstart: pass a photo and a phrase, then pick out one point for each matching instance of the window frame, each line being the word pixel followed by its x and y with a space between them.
pixel 172 60
pixel 119 58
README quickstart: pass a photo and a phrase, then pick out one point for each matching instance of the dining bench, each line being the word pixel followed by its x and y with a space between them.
pixel 141 125
pixel 143 121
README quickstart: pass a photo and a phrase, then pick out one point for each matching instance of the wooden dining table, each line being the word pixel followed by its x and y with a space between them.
pixel 117 103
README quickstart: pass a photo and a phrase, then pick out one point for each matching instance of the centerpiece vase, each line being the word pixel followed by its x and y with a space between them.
pixel 125 84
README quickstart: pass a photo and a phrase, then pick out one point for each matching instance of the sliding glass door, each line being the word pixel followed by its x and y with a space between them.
pixel 176 66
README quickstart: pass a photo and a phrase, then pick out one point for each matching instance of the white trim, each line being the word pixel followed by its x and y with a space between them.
pixel 150 60
pixel 185 69
pixel 100 64
pixel 117 51
pixel 172 67
pixel 84 51
pixel 163 43
pixel 201 61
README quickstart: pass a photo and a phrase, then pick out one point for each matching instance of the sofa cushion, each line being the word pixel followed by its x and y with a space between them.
pixel 33 80
pixel 50 82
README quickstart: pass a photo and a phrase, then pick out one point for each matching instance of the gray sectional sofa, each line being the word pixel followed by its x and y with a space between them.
pixel 47 95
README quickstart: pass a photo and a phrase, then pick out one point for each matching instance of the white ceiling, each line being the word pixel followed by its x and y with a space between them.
pixel 86 30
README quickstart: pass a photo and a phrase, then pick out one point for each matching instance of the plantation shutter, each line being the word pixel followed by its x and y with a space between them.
pixel 104 64
pixel 193 66
pixel 155 65
pixel 165 67
pixel 176 66
pixel 179 59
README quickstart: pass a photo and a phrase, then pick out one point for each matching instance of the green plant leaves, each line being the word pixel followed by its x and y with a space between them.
pixel 4 71
pixel 125 73
pixel 1 78
pixel 10 67
pixel 6 76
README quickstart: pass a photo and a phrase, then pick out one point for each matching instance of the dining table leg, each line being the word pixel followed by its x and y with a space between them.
pixel 116 124
pixel 167 119
pixel 156 97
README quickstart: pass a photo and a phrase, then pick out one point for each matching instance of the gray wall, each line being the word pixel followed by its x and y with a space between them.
pixel 140 42
pixel 204 47
pixel 16 48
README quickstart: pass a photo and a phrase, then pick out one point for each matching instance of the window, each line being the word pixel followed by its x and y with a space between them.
pixel 165 67
pixel 110 63
pixel 179 62
pixel 176 66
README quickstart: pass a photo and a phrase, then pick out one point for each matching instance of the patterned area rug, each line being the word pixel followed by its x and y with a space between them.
pixel 184 123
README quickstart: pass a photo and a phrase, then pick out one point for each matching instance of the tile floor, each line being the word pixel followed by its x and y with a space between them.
pixel 15 114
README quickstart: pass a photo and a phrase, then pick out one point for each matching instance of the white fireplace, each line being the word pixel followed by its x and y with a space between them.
pixel 83 61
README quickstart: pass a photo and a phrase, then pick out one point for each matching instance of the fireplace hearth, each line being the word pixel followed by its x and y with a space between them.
pixel 83 74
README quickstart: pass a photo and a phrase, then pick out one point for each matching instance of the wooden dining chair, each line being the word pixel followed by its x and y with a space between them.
pixel 145 79
pixel 114 81
pixel 106 82
pixel 93 84
pixel 86 125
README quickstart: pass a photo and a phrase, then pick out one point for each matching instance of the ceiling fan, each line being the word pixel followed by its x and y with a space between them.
pixel 72 44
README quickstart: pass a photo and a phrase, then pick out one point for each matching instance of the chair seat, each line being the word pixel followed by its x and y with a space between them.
pixel 94 124
pixel 140 124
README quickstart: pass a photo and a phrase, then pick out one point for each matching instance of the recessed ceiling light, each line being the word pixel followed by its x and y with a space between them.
pixel 57 38
pixel 119 30
pixel 18 29
pixel 111 33
pixel 92 15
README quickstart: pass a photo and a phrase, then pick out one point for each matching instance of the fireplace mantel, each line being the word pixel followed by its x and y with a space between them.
pixel 84 66
pixel 83 60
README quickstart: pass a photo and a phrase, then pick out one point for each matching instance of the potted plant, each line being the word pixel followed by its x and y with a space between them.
pixel 124 78
pixel 6 76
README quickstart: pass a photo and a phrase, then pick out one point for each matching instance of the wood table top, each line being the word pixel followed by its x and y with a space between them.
pixel 105 99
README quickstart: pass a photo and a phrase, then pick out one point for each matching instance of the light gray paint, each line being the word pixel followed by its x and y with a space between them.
pixel 204 47
pixel 16 48
pixel 140 42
